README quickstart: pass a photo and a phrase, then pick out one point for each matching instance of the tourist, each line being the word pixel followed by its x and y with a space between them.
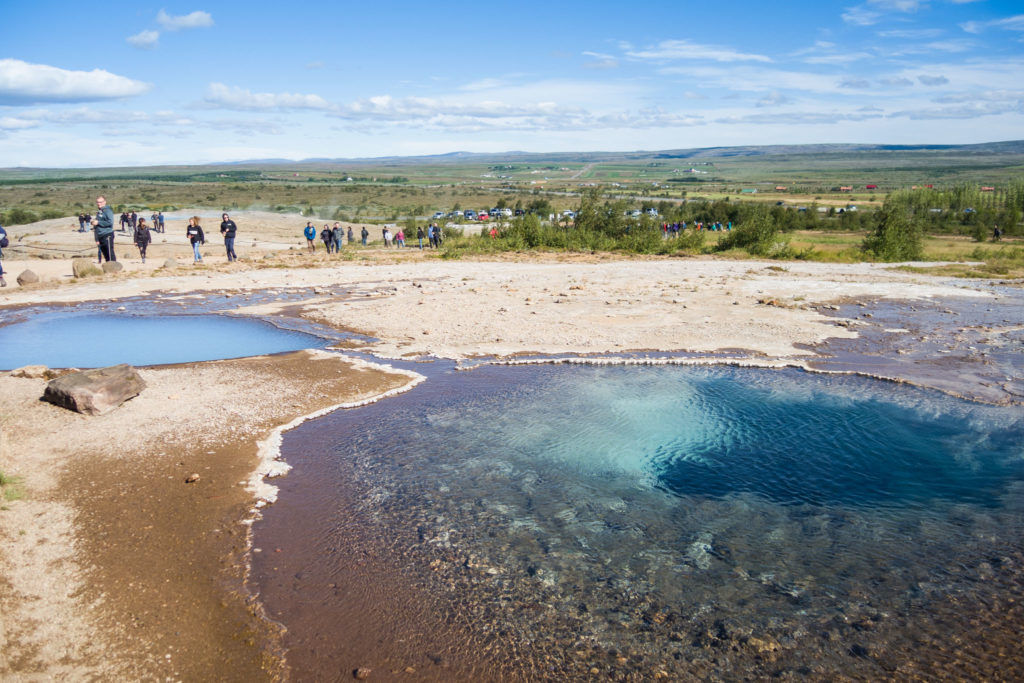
pixel 196 237
pixel 494 232
pixel 142 238
pixel 327 237
pixel 133 220
pixel 124 221
pixel 228 229
pixel 350 236
pixel 310 233
pixel 400 238
pixel 338 234
pixel 419 235
pixel 81 222
pixel 3 243
pixel 386 236
pixel 437 235
pixel 997 234
pixel 103 229
pixel 364 233
pixel 159 227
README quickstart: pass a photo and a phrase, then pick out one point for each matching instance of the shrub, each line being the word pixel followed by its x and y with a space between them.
pixel 897 235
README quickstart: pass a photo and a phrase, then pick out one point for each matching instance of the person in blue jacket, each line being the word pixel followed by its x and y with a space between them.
pixel 103 229
pixel 310 232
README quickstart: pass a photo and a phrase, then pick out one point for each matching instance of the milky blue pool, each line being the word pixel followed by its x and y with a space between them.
pixel 87 340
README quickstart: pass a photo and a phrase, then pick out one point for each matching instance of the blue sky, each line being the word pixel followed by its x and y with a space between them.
pixel 135 84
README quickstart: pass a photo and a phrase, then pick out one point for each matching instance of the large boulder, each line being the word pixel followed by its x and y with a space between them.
pixel 84 267
pixel 112 267
pixel 95 392
pixel 27 277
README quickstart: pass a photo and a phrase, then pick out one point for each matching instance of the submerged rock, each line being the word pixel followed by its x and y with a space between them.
pixel 95 392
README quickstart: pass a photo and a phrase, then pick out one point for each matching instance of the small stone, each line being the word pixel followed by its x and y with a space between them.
pixel 112 267
pixel 192 478
pixel 32 372
pixel 27 277
pixel 409 670
pixel 362 673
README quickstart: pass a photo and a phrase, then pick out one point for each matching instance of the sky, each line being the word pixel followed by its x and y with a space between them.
pixel 135 84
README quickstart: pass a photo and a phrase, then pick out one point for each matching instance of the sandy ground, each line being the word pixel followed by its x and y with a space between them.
pixel 112 567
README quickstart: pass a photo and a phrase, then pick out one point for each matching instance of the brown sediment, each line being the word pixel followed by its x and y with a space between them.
pixel 143 576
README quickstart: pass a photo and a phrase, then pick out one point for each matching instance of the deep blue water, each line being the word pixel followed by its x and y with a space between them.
pixel 87 340
pixel 670 512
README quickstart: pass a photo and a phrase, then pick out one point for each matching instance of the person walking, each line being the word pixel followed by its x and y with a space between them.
pixel 350 236
pixel 81 222
pixel 228 230
pixel 142 238
pixel 419 235
pixel 3 243
pixel 310 233
pixel 103 229
pixel 400 238
pixel 364 233
pixel 196 237
pixel 133 220
pixel 327 237
pixel 338 234
pixel 159 227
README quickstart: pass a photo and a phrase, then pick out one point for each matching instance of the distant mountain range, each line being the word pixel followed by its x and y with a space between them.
pixel 1010 147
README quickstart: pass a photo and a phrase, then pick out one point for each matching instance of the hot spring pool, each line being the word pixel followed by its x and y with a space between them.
pixel 704 522
pixel 88 339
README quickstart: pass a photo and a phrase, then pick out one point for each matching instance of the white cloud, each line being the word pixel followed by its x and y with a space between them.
pixel 897 82
pixel 844 58
pixel 854 83
pixel 145 40
pixel 24 83
pixel 773 99
pixel 897 5
pixel 911 33
pixel 860 16
pixel 1014 23
pixel 231 97
pixel 684 49
pixel 932 80
pixel 195 19
pixel 600 61
pixel 14 123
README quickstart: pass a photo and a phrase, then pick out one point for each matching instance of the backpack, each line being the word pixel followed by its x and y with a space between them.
pixel 4 242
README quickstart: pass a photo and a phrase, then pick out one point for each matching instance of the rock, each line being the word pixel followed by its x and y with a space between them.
pixel 84 267
pixel 33 372
pixel 97 391
pixel 192 478
pixel 27 277
pixel 170 263
pixel 362 673
pixel 112 267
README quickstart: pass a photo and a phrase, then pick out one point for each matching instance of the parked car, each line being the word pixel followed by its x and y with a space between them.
pixel 520 212
pixel 482 216
pixel 469 214
pixel 568 213
pixel 438 215
pixel 635 213
pixel 652 211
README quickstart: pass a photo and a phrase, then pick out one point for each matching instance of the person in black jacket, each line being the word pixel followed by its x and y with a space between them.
pixel 327 237
pixel 228 229
pixel 196 237
pixel 142 238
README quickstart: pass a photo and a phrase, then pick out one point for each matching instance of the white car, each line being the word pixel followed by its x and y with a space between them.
pixel 438 215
